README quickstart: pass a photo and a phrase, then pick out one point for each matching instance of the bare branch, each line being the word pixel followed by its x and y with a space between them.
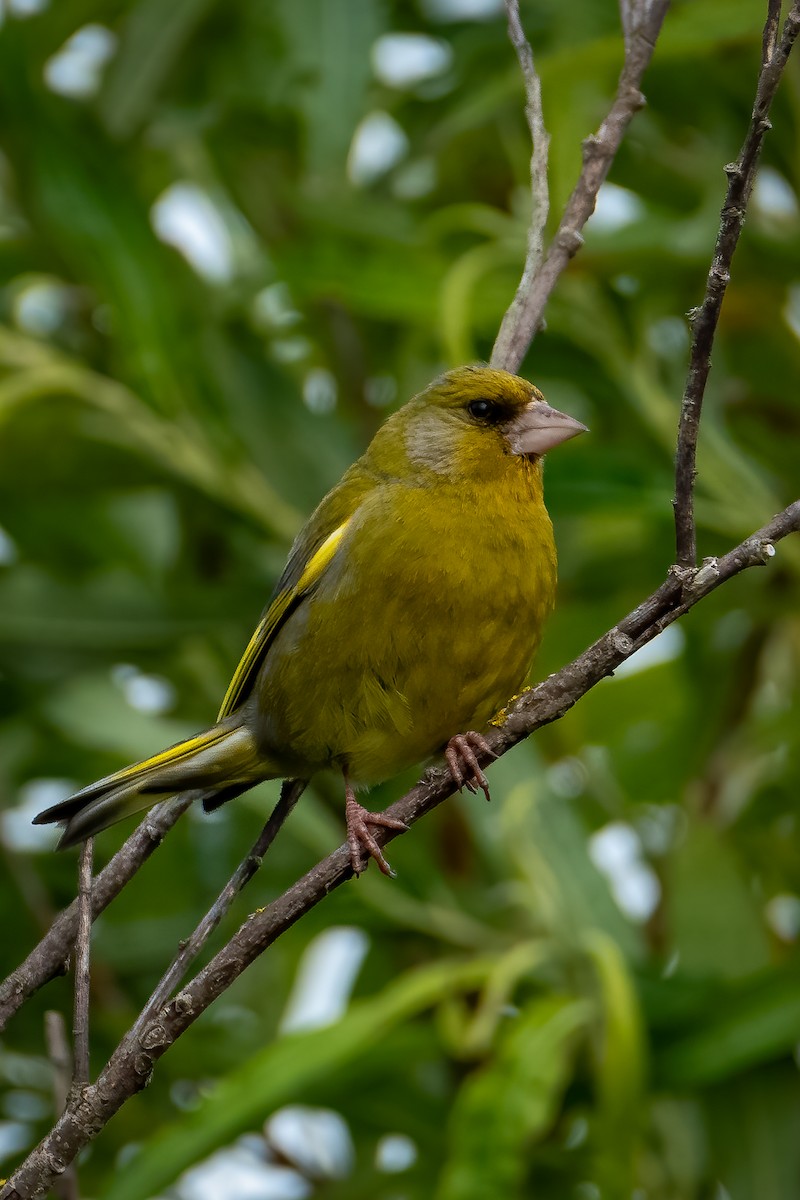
pixel 628 18
pixel 55 1036
pixel 58 1051
pixel 130 1067
pixel 741 177
pixel 598 154
pixel 540 142
pixel 291 792
pixel 80 1025
pixel 769 40
pixel 49 957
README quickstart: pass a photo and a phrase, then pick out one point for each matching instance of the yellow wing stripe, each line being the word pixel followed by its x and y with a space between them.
pixel 319 561
pixel 251 654
pixel 270 622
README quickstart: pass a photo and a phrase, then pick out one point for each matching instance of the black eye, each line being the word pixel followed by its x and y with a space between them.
pixel 482 410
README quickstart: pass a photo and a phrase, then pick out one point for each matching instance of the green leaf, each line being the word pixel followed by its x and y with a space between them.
pixel 753 1125
pixel 739 1028
pixel 505 1107
pixel 288 1069
pixel 153 38
pixel 716 925
pixel 545 840
pixel 619 1067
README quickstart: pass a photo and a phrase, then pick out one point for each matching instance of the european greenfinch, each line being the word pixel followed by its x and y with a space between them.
pixel 409 611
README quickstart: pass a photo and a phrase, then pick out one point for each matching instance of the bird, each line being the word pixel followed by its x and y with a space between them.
pixel 409 611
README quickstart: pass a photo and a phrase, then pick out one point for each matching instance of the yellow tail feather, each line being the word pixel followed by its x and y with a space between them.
pixel 221 759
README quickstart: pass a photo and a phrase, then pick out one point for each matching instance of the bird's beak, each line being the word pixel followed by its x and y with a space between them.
pixel 539 428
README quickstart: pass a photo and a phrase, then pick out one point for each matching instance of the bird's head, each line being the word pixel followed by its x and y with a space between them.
pixel 472 416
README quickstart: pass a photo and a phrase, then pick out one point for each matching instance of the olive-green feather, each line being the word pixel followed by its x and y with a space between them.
pixel 409 610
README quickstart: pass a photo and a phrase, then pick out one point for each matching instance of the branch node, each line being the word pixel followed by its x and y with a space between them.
pixel 763 553
pixel 57 1164
pixel 621 642
pixel 570 241
pixel 733 170
pixel 154 1036
pixel 143 1065
pixel 701 580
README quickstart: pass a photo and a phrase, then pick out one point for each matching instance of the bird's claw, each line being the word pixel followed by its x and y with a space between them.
pixel 361 841
pixel 463 764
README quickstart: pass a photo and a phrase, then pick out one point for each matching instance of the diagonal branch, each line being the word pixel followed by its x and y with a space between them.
pixel 642 24
pixel 188 951
pixel 513 320
pixel 50 956
pixel 130 1067
pixel 741 177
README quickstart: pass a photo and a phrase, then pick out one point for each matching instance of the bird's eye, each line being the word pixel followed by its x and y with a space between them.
pixel 481 410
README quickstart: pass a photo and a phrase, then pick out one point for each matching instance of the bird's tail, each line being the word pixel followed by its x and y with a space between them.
pixel 221 762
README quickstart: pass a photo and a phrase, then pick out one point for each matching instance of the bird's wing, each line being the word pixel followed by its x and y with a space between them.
pixel 310 555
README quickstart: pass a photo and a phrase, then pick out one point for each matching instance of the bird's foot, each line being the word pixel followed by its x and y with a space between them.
pixel 463 764
pixel 359 838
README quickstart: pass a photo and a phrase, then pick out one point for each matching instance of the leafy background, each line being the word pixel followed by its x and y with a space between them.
pixel 591 989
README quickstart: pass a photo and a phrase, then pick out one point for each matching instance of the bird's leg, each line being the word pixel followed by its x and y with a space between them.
pixel 359 838
pixel 463 764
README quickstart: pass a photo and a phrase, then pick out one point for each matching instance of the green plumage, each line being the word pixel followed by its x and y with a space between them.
pixel 410 608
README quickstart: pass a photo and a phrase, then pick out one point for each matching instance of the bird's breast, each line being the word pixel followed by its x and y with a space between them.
pixel 423 625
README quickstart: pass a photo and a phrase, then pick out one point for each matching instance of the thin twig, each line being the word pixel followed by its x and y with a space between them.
pixel 741 177
pixel 769 40
pixel 50 956
pixel 628 13
pixel 130 1067
pixel 598 154
pixel 80 1025
pixel 55 1036
pixel 540 196
pixel 291 791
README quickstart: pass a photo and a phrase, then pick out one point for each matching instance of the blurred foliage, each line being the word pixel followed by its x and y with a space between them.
pixel 591 989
